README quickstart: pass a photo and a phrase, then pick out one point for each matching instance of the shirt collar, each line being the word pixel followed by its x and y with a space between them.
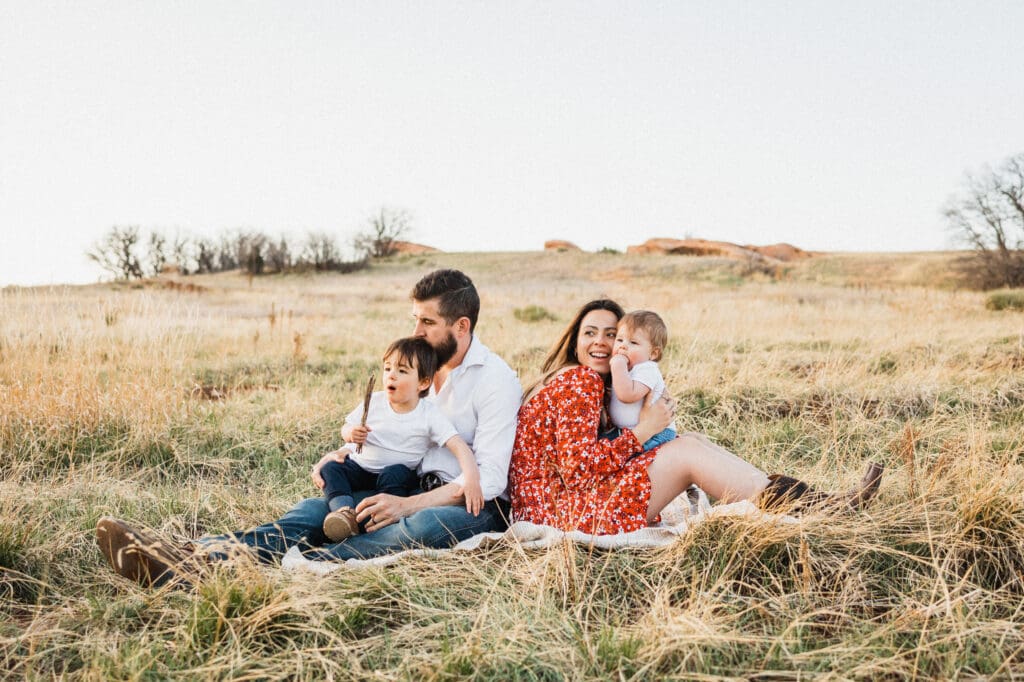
pixel 476 354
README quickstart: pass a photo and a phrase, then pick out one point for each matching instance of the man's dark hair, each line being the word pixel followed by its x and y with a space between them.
pixel 455 292
pixel 416 352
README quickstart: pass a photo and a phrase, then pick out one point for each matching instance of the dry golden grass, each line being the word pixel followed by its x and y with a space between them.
pixel 198 409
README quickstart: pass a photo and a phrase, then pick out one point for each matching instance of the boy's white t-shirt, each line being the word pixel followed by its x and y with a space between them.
pixel 398 438
pixel 626 415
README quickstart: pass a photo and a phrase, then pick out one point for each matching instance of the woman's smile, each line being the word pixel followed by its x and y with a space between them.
pixel 596 339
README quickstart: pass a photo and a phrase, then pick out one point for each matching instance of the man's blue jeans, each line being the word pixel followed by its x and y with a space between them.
pixel 302 525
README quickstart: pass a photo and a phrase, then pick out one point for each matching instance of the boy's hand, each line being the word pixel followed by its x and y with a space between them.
pixel 338 455
pixel 359 433
pixel 474 496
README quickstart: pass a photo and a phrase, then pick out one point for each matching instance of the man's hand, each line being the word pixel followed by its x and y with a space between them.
pixel 338 455
pixel 382 510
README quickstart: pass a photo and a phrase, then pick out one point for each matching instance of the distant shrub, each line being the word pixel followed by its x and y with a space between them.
pixel 533 313
pixel 608 249
pixel 885 364
pixel 1007 299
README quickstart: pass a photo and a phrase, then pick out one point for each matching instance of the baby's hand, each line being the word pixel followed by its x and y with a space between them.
pixel 619 360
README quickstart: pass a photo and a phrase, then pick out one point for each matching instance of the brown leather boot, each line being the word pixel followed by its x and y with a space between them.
pixel 341 524
pixel 786 494
pixel 138 555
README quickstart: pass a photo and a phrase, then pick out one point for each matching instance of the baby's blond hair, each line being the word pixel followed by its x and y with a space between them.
pixel 651 324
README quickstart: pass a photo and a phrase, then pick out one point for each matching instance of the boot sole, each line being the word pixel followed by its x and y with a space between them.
pixel 338 528
pixel 870 482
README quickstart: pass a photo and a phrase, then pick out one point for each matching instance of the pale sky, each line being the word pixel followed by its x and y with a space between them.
pixel 830 125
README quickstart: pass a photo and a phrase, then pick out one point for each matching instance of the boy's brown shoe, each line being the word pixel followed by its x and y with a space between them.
pixel 140 556
pixel 341 524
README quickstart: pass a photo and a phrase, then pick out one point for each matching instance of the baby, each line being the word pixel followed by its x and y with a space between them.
pixel 639 342
pixel 400 428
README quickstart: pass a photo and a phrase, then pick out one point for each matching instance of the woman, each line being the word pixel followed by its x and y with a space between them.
pixel 563 475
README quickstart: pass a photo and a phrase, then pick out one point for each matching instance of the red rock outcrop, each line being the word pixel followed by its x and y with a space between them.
pixel 783 252
pixel 705 247
pixel 413 248
pixel 690 247
pixel 560 245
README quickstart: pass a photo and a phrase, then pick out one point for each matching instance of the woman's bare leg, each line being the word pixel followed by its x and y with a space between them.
pixel 692 458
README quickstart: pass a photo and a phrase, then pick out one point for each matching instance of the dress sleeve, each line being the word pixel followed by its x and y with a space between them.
pixel 580 455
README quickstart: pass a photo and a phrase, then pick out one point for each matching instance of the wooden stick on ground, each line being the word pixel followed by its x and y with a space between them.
pixel 366 406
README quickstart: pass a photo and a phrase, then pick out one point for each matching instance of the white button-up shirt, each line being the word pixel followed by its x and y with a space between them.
pixel 481 397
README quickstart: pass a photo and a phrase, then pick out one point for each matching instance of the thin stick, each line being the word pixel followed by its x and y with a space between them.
pixel 366 406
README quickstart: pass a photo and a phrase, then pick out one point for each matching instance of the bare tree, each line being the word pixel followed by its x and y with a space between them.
pixel 321 251
pixel 279 255
pixel 386 227
pixel 988 216
pixel 181 252
pixel 115 253
pixel 249 251
pixel 226 253
pixel 156 253
pixel 206 255
pixel 253 252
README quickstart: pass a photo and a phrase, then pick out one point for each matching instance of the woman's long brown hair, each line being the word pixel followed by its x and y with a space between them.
pixel 563 353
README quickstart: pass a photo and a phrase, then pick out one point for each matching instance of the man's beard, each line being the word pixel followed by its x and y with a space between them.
pixel 446 349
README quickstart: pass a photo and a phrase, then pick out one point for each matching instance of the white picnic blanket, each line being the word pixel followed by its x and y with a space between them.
pixel 677 519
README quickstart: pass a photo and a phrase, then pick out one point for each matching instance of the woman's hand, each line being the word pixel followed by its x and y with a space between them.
pixel 655 415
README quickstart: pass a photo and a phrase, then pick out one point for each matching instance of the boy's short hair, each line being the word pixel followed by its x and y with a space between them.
pixel 652 324
pixel 415 351
pixel 456 293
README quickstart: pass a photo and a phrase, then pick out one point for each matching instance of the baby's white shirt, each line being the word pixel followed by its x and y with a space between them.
pixel 626 415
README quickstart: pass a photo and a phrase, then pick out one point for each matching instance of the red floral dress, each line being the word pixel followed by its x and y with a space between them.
pixel 563 475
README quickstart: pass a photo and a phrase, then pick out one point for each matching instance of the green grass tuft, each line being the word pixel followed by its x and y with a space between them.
pixel 533 313
pixel 1009 299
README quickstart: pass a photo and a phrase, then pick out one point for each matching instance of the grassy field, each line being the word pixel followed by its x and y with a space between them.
pixel 198 406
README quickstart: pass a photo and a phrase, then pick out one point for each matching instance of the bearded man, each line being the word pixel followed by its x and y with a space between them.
pixel 474 388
